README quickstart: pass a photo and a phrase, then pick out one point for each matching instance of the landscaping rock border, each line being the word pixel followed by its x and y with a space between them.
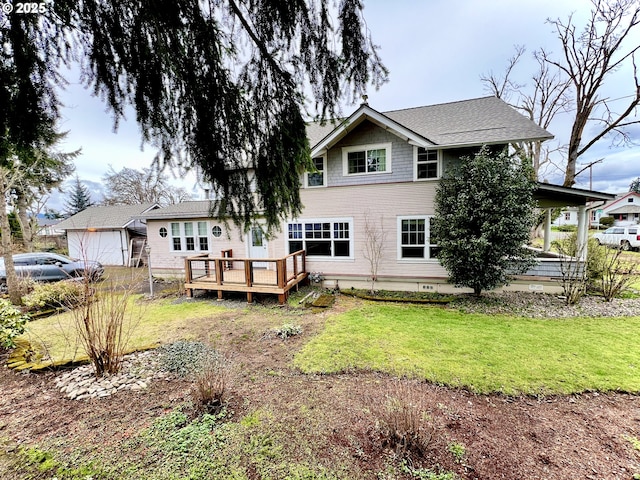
pixel 138 371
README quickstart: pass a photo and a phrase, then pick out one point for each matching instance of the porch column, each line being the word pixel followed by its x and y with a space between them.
pixel 547 231
pixel 581 237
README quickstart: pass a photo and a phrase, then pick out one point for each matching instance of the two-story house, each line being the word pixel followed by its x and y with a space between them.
pixel 373 170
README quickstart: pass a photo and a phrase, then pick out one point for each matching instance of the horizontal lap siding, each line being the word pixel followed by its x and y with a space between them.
pixel 384 203
pixel 164 258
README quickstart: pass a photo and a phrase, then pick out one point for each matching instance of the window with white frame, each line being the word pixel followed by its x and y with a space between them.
pixel 427 163
pixel 414 239
pixel 366 159
pixel 317 178
pixel 189 236
pixel 323 238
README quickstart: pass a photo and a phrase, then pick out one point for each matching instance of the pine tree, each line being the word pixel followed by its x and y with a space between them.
pixel 484 214
pixel 634 186
pixel 79 198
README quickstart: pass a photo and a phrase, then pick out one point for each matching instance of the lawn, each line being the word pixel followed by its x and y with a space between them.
pixel 149 323
pixel 483 353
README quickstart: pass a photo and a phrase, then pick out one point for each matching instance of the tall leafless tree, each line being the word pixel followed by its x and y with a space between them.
pixel 575 82
pixel 541 101
pixel 589 58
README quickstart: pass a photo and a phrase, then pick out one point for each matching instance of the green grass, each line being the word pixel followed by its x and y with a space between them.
pixel 159 321
pixel 483 353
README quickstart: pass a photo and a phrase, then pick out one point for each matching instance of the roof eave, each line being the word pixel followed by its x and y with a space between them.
pixel 367 113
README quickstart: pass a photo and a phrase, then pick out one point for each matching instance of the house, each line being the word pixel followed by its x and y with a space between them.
pixel 625 209
pixel 568 216
pixel 373 168
pixel 109 234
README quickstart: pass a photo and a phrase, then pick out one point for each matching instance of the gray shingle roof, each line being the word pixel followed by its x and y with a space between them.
pixel 467 122
pixel 191 209
pixel 100 217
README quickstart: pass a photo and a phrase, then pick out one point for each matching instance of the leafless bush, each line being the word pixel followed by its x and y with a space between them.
pixel 404 420
pixel 617 272
pixel 104 322
pixel 373 251
pixel 210 389
pixel 572 269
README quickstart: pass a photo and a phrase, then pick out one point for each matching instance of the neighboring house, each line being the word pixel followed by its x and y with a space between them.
pixel 568 216
pixel 381 168
pixel 111 235
pixel 625 210
pixel 48 226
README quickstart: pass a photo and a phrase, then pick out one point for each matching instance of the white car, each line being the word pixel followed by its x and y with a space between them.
pixel 627 238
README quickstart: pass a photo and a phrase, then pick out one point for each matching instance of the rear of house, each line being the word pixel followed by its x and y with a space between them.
pixel 375 172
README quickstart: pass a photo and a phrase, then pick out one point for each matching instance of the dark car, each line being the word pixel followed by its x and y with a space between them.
pixel 51 267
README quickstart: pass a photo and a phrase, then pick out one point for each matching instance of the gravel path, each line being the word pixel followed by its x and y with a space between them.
pixel 540 305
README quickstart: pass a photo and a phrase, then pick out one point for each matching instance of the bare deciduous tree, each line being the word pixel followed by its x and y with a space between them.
pixel 130 187
pixel 374 238
pixel 574 83
pixel 589 57
pixel 541 103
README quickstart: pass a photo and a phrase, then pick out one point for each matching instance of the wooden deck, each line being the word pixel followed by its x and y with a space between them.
pixel 250 275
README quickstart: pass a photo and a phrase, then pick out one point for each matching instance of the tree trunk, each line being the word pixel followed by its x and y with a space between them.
pixel 26 224
pixel 7 250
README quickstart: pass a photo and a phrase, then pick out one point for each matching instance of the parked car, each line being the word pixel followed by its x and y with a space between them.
pixel 627 238
pixel 51 267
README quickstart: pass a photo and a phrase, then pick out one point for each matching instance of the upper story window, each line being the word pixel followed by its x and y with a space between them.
pixel 189 236
pixel 318 177
pixel 366 159
pixel 427 163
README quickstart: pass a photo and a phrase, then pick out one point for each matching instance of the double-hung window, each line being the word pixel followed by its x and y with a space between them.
pixel 414 239
pixel 317 178
pixel 189 236
pixel 427 164
pixel 366 159
pixel 322 238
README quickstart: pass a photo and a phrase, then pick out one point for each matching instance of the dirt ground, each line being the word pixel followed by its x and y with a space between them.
pixel 565 437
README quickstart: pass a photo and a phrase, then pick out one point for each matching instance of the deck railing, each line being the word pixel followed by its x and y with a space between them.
pixel 250 275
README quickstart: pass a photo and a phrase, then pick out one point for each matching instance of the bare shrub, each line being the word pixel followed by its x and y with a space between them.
pixel 210 383
pixel 373 251
pixel 617 272
pixel 572 270
pixel 104 322
pixel 404 420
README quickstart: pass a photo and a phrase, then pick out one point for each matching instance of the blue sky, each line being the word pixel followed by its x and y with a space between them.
pixel 435 50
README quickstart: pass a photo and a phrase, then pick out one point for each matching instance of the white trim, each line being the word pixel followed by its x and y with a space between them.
pixel 415 165
pixel 367 113
pixel 365 148
pixel 183 237
pixel 427 246
pixel 324 173
pixel 331 220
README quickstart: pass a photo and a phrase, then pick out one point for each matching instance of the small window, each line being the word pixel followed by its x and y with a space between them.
pixel 426 164
pixel 163 232
pixel 630 200
pixel 316 178
pixel 216 231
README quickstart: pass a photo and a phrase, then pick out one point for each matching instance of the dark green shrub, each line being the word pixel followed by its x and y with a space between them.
pixel 567 228
pixel 606 221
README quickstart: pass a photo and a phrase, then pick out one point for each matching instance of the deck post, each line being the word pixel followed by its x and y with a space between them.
pixel 188 275
pixel 281 266
pixel 248 275
pixel 219 267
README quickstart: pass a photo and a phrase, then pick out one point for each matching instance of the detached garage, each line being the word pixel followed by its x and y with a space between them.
pixel 109 235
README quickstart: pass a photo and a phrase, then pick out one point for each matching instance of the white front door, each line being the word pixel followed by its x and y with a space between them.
pixel 258 247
